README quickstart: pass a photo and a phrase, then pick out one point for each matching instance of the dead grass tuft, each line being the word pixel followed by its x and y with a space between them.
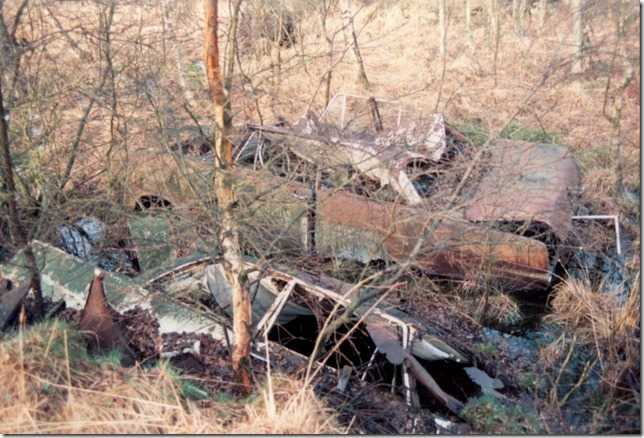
pixel 298 411
pixel 606 333
pixel 592 315
pixel 51 385
pixel 498 310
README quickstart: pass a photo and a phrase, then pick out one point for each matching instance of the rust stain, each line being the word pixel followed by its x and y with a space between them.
pixel 455 248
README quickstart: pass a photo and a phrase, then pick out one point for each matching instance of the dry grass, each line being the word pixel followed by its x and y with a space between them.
pixel 497 309
pixel 606 335
pixel 51 385
pixel 595 316
pixel 298 411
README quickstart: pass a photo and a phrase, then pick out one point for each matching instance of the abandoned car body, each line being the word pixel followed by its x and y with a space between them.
pixel 388 338
pixel 526 188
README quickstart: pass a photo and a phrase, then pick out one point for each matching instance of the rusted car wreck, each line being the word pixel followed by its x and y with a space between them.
pixel 363 183
pixel 366 183
pixel 382 346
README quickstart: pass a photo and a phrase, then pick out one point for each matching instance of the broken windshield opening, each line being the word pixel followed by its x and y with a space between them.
pixel 358 351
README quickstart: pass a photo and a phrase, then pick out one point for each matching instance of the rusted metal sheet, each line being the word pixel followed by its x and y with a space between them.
pixel 455 248
pixel 527 182
pixel 358 228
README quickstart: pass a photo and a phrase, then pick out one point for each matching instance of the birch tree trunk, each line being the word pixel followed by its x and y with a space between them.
pixel 228 233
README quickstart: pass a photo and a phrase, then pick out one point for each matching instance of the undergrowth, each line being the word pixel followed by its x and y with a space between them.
pixel 491 415
pixel 593 367
pixel 52 385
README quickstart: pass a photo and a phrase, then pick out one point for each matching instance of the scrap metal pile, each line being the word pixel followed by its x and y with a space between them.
pixel 386 342
pixel 526 188
pixel 506 227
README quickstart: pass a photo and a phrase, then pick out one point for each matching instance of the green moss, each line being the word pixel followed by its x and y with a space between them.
pixel 600 156
pixel 490 415
pixel 477 133
pixel 110 359
pixel 486 348
pixel 473 130
pixel 192 391
pixel 515 131
pixel 188 387
pixel 75 347
pixel 527 380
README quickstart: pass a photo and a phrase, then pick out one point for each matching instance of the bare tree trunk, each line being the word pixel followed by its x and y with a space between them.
pixel 613 113
pixel 228 234
pixel 164 35
pixel 468 23
pixel 523 12
pixel 178 55
pixel 442 19
pixel 276 50
pixel 578 31
pixel 329 77
pixel 230 66
pixel 18 231
pixel 442 13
